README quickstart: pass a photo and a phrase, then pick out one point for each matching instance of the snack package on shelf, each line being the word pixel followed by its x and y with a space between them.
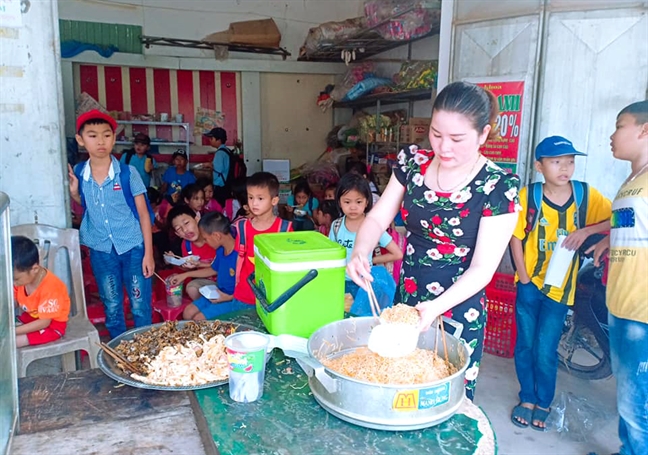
pixel 421 17
pixel 328 33
pixel 366 86
pixel 355 74
pixel 416 75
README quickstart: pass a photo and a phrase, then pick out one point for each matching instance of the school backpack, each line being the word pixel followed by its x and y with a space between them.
pixel 580 191
pixel 241 242
pixel 237 167
pixel 129 155
pixel 124 180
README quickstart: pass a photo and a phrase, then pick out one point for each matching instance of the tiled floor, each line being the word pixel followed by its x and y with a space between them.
pixel 497 394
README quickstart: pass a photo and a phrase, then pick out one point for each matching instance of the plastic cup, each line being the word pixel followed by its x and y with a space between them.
pixel 174 294
pixel 246 353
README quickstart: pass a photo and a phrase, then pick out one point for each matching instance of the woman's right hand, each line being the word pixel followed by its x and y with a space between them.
pixel 359 269
pixel 429 313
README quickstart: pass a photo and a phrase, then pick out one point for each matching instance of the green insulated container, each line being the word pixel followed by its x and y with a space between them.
pixel 298 281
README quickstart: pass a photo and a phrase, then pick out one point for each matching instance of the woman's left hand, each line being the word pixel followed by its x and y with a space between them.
pixel 429 312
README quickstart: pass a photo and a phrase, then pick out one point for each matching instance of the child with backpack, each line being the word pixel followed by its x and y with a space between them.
pixel 116 224
pixel 140 158
pixel 560 206
pixel 216 229
pixel 226 166
pixel 302 204
pixel 263 197
pixel 354 199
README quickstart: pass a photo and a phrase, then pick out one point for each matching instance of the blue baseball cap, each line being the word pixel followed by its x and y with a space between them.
pixel 553 146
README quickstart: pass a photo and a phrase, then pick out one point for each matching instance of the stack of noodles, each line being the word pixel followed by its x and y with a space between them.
pixel 195 363
pixel 419 367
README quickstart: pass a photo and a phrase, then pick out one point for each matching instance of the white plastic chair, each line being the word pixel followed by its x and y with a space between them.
pixel 80 334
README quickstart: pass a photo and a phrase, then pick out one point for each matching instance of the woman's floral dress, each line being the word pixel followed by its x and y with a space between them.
pixel 442 233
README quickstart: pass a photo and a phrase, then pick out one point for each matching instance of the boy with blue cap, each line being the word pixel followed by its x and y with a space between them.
pixel 559 207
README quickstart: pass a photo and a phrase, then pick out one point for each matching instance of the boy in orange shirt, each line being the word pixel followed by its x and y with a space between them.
pixel 263 196
pixel 41 296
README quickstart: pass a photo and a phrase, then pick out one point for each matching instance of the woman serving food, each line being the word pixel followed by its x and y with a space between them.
pixel 460 210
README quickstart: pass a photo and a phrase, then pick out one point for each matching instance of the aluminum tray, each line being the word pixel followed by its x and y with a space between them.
pixel 110 368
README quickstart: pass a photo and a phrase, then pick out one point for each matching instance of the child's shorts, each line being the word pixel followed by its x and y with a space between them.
pixel 199 282
pixel 213 310
pixel 53 332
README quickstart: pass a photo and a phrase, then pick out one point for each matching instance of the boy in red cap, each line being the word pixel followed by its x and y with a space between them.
pixel 116 224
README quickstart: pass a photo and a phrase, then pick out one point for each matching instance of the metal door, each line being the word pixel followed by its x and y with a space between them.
pixel 595 63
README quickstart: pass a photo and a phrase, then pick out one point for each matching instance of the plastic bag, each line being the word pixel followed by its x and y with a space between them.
pixel 416 75
pixel 365 87
pixel 575 417
pixel 384 287
pixel 326 34
pixel 356 73
pixel 401 26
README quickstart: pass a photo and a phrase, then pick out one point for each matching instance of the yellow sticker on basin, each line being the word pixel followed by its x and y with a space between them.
pixel 406 400
pixel 419 399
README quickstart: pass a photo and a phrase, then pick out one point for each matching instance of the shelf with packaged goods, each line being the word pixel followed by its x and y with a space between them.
pixel 185 126
pixel 370 41
pixel 387 98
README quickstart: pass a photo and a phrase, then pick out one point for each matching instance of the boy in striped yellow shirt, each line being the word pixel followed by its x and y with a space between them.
pixel 560 206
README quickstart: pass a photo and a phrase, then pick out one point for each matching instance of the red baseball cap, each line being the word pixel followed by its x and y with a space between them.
pixel 95 114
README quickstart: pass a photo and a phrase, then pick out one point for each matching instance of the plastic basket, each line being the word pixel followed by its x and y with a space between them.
pixel 501 330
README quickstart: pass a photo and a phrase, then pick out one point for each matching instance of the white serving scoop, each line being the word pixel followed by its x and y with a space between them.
pixel 390 339
pixel 393 340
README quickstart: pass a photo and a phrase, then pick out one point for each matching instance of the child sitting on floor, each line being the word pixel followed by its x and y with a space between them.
pixel 211 204
pixel 184 222
pixel 302 204
pixel 216 229
pixel 42 298
pixel 324 216
pixel 194 197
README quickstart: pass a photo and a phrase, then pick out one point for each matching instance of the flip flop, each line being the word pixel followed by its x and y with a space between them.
pixel 520 412
pixel 540 415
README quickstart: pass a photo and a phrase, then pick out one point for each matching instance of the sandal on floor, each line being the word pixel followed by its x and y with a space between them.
pixel 540 415
pixel 520 412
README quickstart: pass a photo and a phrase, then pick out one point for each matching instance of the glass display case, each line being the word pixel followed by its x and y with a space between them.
pixel 8 378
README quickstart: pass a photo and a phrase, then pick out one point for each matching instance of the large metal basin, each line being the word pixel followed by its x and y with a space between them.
pixel 382 407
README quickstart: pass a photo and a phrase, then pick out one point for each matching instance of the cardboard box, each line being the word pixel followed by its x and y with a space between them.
pixel 262 32
pixel 378 169
pixel 413 134
pixel 416 130
pixel 280 168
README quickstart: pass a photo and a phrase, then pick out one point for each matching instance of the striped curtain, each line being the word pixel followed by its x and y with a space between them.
pixel 155 91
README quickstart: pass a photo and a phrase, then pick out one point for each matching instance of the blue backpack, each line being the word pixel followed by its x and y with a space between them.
pixel 124 180
pixel 580 190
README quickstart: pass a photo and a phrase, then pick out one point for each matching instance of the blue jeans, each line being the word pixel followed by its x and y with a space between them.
pixel 213 310
pixel 540 322
pixel 629 352
pixel 114 271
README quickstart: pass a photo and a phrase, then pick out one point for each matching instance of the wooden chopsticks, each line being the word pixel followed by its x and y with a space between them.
pixel 443 337
pixel 119 358
pixel 373 300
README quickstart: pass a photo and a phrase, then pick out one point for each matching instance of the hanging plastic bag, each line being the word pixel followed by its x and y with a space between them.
pixel 384 287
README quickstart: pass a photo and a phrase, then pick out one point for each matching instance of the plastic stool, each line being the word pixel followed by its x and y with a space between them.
pixel 170 313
